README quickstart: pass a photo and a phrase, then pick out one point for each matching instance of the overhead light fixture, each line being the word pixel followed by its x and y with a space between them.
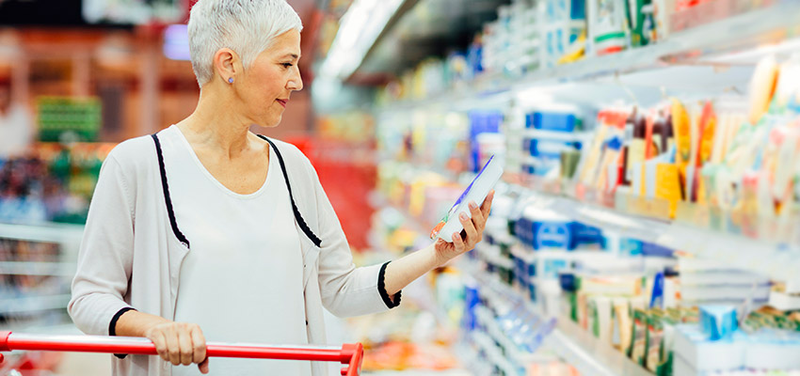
pixel 358 30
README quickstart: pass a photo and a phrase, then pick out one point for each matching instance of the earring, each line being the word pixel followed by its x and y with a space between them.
pixel 230 80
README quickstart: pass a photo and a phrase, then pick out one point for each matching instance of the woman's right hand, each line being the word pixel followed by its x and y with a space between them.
pixel 180 343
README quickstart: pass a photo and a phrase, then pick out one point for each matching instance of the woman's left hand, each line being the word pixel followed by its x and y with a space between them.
pixel 472 234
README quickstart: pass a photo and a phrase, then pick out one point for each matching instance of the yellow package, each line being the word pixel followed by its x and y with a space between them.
pixel 668 185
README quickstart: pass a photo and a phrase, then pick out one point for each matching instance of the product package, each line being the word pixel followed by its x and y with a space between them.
pixel 476 191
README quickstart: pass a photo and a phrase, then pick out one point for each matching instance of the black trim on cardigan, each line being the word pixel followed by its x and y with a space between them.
pixel 173 223
pixel 382 289
pixel 297 216
pixel 112 326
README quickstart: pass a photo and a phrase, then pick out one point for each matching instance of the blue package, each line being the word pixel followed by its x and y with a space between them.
pixel 577 10
pixel 542 147
pixel 541 166
pixel 551 268
pixel 532 291
pixel 481 122
pixel 568 282
pixel 489 239
pixel 551 235
pixel 614 143
pixel 586 235
pixel 718 321
pixel 650 249
pixel 475 59
pixel 552 121
pixel 657 297
pixel 519 274
pixel 630 247
pixel 471 300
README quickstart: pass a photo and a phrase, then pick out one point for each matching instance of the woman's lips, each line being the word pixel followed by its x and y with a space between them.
pixel 282 102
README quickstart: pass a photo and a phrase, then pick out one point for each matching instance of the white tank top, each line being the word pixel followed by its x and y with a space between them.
pixel 242 280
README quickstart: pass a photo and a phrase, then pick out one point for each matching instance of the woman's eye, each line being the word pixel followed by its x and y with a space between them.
pixel 287 65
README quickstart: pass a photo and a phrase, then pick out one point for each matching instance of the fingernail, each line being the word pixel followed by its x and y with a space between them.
pixel 473 205
pixel 463 216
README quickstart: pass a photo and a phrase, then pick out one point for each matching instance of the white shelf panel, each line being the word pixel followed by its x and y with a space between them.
pixel 51 232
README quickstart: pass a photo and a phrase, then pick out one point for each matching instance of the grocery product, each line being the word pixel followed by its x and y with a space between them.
pixel 762 87
pixel 607 24
pixel 475 192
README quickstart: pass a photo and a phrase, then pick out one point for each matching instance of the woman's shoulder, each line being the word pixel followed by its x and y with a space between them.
pixel 134 154
pixel 291 154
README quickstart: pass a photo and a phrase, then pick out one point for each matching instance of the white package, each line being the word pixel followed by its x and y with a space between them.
pixel 476 191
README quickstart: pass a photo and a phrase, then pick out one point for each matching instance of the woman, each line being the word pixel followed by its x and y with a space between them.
pixel 206 225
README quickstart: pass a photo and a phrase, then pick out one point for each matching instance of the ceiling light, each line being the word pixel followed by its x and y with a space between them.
pixel 358 30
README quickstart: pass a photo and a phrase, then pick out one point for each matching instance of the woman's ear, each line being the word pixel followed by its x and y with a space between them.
pixel 226 64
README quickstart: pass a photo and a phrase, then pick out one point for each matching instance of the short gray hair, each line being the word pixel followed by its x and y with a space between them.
pixel 247 27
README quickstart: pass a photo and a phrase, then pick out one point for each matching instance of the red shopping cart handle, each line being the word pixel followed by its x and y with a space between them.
pixel 349 354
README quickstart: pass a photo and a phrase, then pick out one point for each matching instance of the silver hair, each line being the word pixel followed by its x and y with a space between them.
pixel 247 27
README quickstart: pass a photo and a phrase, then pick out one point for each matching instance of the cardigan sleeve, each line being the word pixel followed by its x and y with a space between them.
pixel 106 254
pixel 346 290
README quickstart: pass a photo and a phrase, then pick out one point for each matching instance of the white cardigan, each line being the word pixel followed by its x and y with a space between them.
pixel 130 256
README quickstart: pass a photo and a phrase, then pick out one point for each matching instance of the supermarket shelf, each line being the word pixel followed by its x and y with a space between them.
pixel 588 354
pixel 779 261
pixel 62 269
pixel 634 226
pixel 575 345
pixel 31 304
pixel 737 32
pixel 51 232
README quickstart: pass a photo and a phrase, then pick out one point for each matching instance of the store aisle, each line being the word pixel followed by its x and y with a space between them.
pixel 646 221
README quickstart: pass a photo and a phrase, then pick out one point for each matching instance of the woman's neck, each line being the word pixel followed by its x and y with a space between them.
pixel 216 126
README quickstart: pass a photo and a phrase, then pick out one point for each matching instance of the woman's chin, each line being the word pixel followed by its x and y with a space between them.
pixel 271 123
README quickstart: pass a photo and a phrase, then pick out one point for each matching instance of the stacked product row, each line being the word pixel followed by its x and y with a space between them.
pixel 723 163
pixel 529 35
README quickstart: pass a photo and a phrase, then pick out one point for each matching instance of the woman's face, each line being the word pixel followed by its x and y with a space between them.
pixel 265 87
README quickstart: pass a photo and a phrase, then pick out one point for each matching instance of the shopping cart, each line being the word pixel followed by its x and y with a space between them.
pixel 349 354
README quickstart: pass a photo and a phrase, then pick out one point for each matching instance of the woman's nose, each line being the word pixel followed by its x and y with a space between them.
pixel 296 82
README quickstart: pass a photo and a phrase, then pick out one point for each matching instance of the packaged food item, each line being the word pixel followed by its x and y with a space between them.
pixel 638 345
pixel 655 339
pixel 637 146
pixel 669 185
pixel 477 191
pixel 788 86
pixel 640 22
pixel 607 26
pixel 682 125
pixel 762 87
pixel 718 321
pixel 622 324
pixel 601 314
